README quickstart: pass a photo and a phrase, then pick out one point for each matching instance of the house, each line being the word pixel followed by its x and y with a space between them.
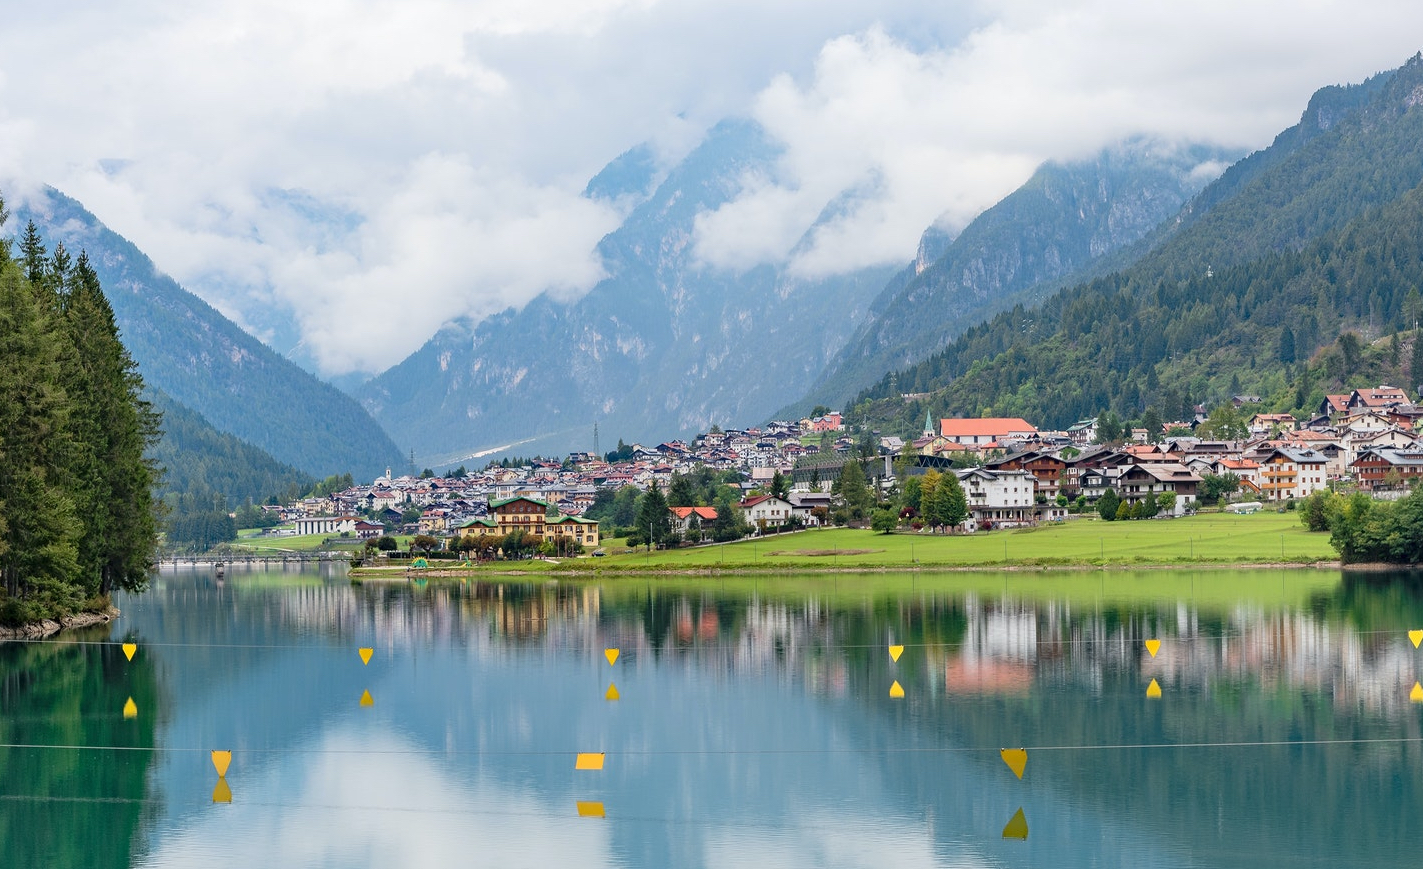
pixel 1333 405
pixel 804 505
pixel 1287 473
pixel 367 530
pixel 1265 423
pixel 1384 396
pixel 519 513
pixel 1386 468
pixel 766 511
pixel 1046 468
pixel 998 499
pixel 575 528
pixel 682 517
pixel 981 432
pixel 326 525
pixel 481 526
pixel 1140 482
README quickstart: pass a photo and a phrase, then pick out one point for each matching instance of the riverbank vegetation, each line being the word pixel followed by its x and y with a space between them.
pixel 1365 530
pixel 77 515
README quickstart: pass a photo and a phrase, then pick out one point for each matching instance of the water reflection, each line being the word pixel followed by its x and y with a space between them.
pixel 756 722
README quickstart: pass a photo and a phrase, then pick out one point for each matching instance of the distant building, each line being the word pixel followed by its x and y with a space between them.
pixel 985 431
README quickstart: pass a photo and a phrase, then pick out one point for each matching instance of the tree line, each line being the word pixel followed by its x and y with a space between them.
pixel 77 514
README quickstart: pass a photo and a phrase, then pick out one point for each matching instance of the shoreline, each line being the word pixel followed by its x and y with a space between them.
pixel 391 574
pixel 49 627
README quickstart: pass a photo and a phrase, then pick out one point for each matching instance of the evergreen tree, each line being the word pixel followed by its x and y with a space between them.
pixel 853 492
pixel 950 503
pixel 780 487
pixel 682 491
pixel 32 255
pixel 1287 346
pixel 653 518
pixel 1415 365
pixel 1108 504
pixel 1151 421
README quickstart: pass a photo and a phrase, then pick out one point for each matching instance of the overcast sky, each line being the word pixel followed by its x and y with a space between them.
pixel 416 160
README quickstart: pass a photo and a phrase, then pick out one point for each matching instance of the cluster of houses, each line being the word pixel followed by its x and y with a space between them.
pixel 1018 472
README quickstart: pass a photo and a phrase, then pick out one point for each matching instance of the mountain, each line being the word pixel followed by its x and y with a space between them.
pixel 201 461
pixel 1039 238
pixel 663 345
pixel 1294 273
pixel 189 351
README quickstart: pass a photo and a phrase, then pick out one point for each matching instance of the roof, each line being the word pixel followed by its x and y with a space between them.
pixel 494 505
pixel 988 427
pixel 701 512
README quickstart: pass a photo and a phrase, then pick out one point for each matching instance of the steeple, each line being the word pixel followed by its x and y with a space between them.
pixel 928 424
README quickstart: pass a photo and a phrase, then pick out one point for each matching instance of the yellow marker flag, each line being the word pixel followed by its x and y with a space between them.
pixel 366 652
pixel 612 692
pixel 1153 690
pixel 1153 646
pixel 1416 637
pixel 367 699
pixel 1017 760
pixel 895 652
pixel 611 655
pixel 220 762
pixel 896 690
pixel 130 648
pixel 589 761
pixel 1416 695
pixel 221 793
pixel 1017 827
pixel 591 810
pixel 130 709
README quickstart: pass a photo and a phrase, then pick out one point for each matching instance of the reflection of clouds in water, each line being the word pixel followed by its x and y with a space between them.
pixel 828 840
pixel 399 809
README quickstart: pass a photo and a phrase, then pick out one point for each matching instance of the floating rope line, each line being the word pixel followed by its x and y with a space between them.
pixel 1146 746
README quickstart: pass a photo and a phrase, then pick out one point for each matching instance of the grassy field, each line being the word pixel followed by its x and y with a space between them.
pixel 302 543
pixel 1213 538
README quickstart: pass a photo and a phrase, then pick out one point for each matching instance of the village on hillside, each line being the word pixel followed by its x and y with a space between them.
pixel 1012 474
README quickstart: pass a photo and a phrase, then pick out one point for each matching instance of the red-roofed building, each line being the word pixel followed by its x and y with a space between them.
pixel 985 431
pixel 766 510
pixel 682 517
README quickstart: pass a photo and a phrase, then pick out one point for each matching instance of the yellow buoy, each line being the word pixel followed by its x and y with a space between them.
pixel 611 655
pixel 1416 695
pixel 1017 827
pixel 1153 646
pixel 1153 690
pixel 367 699
pixel 220 761
pixel 612 693
pixel 130 648
pixel 1416 637
pixel 592 760
pixel 366 652
pixel 896 690
pixel 1017 760
pixel 130 709
pixel 895 652
pixel 221 793
pixel 591 810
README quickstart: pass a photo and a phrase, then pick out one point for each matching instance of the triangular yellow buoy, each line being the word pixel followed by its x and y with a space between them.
pixel 1416 695
pixel 591 810
pixel 612 693
pixel 1017 760
pixel 895 652
pixel 1416 637
pixel 220 762
pixel 130 648
pixel 130 709
pixel 366 652
pixel 592 760
pixel 1017 827
pixel 367 699
pixel 1153 690
pixel 611 655
pixel 896 690
pixel 221 793
pixel 1153 646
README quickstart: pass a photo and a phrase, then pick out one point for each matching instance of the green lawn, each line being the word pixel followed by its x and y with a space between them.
pixel 302 543
pixel 1213 538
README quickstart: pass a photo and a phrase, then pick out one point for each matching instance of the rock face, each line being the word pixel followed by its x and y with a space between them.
pixel 188 350
pixel 665 345
pixel 1039 238
pixel 49 627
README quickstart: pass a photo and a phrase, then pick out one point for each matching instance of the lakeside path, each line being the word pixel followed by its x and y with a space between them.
pixel 1205 540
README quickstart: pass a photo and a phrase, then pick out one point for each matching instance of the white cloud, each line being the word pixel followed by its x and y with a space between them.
pixel 415 160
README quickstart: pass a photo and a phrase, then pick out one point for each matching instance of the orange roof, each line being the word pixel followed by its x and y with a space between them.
pixel 703 512
pixel 991 427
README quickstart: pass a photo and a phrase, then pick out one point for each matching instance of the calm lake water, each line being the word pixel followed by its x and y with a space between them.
pixel 753 726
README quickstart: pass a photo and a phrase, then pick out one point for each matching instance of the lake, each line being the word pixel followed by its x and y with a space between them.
pixel 756 722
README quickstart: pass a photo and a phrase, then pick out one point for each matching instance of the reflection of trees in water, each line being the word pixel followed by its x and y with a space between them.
pixel 87 811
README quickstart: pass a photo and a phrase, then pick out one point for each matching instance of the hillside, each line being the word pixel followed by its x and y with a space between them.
pixel 1065 218
pixel 1312 239
pixel 191 352
pixel 664 345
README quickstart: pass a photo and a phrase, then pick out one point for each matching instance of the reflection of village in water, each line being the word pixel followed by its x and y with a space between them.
pixel 962 642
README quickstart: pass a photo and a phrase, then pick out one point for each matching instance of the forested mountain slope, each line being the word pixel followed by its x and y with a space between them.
pixel 1266 272
pixel 188 350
